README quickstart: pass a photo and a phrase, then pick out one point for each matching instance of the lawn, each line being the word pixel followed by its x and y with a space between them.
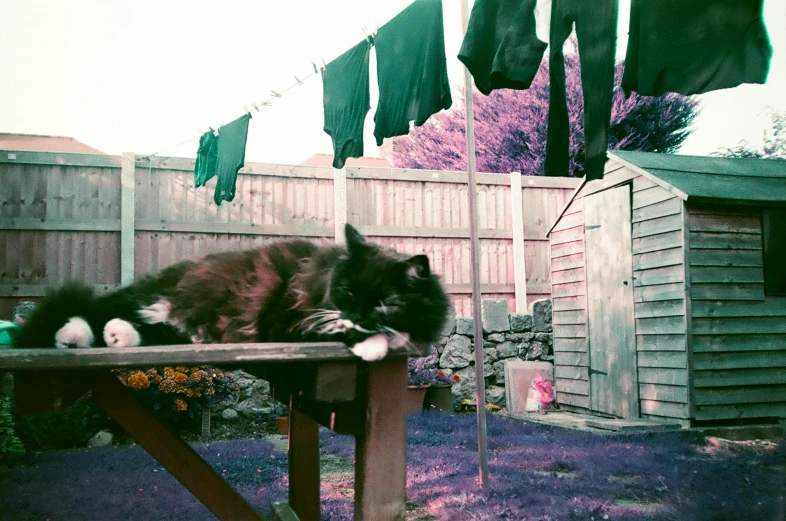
pixel 537 473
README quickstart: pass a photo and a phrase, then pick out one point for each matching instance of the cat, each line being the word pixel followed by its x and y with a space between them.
pixel 369 297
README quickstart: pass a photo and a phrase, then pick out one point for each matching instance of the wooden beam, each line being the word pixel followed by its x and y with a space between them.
pixel 127 216
pixel 456 177
pixel 519 254
pixel 304 466
pixel 218 354
pixel 282 230
pixel 381 449
pixel 59 225
pixel 340 204
pixel 173 453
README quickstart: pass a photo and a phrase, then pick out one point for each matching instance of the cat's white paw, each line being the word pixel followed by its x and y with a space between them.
pixel 372 348
pixel 119 333
pixel 76 333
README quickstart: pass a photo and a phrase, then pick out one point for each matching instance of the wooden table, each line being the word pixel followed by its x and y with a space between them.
pixel 323 383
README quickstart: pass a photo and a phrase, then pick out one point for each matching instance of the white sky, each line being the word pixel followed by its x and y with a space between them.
pixel 146 75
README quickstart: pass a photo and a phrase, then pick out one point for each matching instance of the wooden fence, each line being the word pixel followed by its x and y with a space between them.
pixel 105 220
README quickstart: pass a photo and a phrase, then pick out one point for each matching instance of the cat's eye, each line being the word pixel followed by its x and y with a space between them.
pixel 350 294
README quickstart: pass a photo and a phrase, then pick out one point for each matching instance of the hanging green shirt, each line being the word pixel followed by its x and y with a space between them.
pixel 346 102
pixel 411 69
pixel 501 48
pixel 230 157
pixel 695 46
pixel 205 167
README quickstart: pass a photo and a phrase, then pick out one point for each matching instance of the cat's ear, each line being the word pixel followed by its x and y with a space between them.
pixel 418 267
pixel 355 241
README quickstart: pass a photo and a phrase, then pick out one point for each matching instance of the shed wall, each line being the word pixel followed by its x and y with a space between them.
pixel 659 298
pixel 739 334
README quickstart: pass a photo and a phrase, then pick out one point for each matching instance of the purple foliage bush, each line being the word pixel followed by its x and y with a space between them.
pixel 510 127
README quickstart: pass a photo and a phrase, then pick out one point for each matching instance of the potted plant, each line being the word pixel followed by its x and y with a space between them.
pixel 423 375
pixel 439 394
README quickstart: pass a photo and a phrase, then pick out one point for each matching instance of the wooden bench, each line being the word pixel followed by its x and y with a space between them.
pixel 323 383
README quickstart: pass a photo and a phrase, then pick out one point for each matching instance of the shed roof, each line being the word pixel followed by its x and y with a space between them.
pixel 702 178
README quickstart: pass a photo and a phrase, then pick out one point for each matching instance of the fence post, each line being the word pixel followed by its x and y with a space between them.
pixel 127 187
pixel 340 203
pixel 519 257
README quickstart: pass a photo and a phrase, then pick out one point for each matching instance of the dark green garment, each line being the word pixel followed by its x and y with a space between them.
pixel 345 97
pixel 231 156
pixel 205 167
pixel 411 69
pixel 695 46
pixel 501 49
pixel 596 33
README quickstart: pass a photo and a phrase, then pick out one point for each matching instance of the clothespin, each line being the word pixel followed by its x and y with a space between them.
pixel 275 94
pixel 323 64
pixel 316 71
pixel 298 81
pixel 265 103
pixel 245 109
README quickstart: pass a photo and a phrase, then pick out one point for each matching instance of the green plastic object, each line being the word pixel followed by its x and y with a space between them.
pixel 7 332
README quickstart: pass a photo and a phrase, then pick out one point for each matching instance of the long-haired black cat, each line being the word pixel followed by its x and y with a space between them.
pixel 369 297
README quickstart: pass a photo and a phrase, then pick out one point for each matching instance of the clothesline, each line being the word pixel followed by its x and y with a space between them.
pixel 254 106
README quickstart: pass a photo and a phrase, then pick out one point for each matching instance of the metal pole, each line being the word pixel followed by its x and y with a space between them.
pixel 480 387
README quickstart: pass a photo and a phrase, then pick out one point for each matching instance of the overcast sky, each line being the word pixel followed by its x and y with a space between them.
pixel 144 76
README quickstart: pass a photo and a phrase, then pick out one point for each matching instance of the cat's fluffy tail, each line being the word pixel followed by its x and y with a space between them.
pixel 52 313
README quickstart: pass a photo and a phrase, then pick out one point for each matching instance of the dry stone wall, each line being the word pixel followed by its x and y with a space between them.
pixel 506 337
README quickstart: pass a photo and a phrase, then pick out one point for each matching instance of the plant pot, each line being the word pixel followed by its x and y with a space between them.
pixel 440 397
pixel 415 396
pixel 283 424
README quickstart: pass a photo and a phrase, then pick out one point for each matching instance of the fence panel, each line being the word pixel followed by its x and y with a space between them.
pixel 60 219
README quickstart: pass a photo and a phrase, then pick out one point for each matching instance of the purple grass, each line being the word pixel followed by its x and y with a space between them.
pixel 537 473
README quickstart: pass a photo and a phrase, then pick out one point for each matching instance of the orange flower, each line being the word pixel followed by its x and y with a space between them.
pixel 151 372
pixel 155 380
pixel 167 386
pixel 169 372
pixel 199 376
pixel 456 378
pixel 181 405
pixel 180 378
pixel 138 381
pixel 181 369
pixel 440 374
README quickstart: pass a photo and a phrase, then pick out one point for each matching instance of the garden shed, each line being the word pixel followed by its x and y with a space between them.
pixel 669 290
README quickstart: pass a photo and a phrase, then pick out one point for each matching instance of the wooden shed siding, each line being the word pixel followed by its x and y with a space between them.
pixel 659 295
pixel 739 335
pixel 569 309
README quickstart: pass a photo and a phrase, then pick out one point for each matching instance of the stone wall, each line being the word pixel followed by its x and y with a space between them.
pixel 505 337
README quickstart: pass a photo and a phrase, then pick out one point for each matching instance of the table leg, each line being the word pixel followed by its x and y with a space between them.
pixel 381 450
pixel 304 466
pixel 172 452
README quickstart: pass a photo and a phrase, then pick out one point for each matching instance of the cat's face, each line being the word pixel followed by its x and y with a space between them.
pixel 375 291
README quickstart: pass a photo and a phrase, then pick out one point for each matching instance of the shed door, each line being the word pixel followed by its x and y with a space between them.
pixel 612 341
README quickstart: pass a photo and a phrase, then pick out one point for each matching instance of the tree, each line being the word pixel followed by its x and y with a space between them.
pixel 510 127
pixel 773 144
